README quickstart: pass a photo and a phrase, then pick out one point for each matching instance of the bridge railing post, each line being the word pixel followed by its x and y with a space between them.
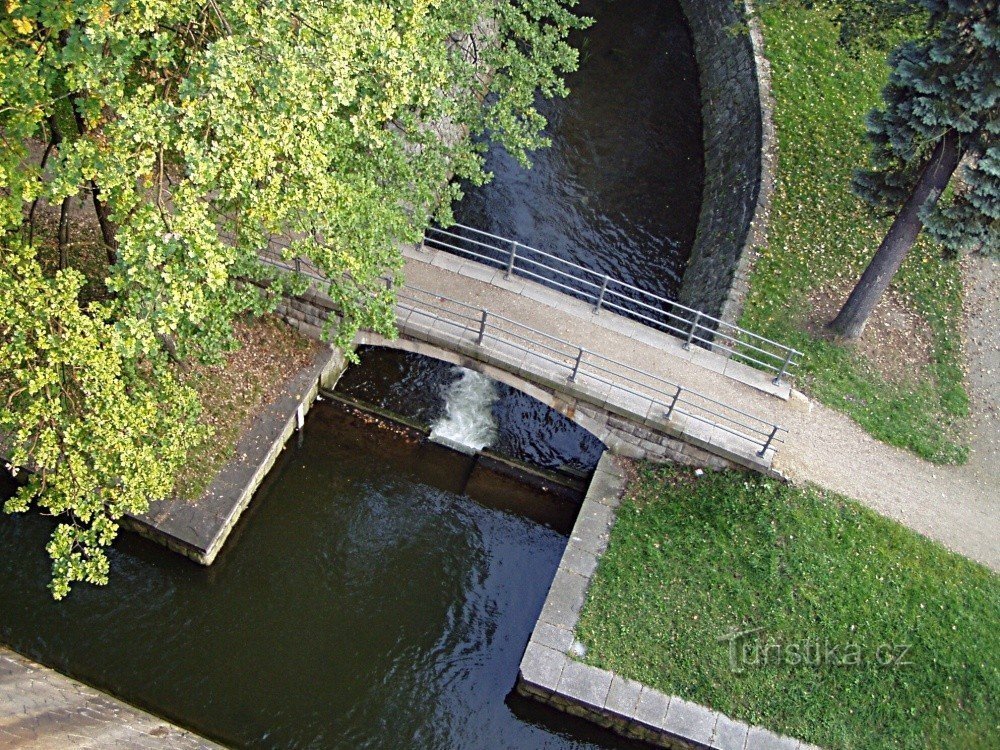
pixel 673 402
pixel 600 297
pixel 576 365
pixel 694 327
pixel 784 368
pixel 482 328
pixel 770 439
pixel 511 259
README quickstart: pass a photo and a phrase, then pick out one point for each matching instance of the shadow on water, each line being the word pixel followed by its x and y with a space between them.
pixel 619 191
pixel 363 602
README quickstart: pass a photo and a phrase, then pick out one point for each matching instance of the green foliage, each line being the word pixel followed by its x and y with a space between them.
pixel 693 559
pixel 100 435
pixel 948 81
pixel 207 132
pixel 820 239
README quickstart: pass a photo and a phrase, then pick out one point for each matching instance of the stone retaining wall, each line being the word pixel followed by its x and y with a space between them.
pixel 740 155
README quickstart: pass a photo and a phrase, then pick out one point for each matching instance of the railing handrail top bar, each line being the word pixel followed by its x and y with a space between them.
pixel 571 264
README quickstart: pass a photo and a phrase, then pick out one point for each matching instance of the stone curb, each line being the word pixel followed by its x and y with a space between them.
pixel 550 674
pixel 199 529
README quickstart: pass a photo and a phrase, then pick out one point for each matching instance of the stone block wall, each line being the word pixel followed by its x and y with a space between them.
pixel 739 155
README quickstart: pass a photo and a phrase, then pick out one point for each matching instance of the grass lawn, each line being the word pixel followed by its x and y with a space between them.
pixel 904 382
pixel 694 559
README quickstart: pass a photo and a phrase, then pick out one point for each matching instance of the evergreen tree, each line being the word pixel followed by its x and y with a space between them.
pixel 935 150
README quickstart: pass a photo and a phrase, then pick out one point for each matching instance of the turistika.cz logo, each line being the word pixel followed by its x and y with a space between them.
pixel 749 649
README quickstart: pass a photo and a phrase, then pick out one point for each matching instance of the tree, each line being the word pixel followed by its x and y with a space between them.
pixel 202 133
pixel 935 155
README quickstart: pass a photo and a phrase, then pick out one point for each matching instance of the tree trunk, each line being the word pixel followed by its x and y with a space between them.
pixel 63 235
pixel 853 316
pixel 109 232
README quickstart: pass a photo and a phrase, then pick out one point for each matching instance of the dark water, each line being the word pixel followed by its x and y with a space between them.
pixel 416 387
pixel 619 191
pixel 362 602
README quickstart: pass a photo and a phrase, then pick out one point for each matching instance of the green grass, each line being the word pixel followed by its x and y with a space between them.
pixel 692 559
pixel 822 237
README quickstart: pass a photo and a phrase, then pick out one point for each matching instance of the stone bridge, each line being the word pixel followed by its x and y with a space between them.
pixel 639 390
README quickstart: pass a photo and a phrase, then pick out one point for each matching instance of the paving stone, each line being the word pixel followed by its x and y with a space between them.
pixel 651 708
pixel 585 684
pixel 578 560
pixel 565 599
pixel 542 667
pixel 554 637
pixel 623 696
pixel 690 721
pixel 605 488
pixel 761 739
pixel 729 734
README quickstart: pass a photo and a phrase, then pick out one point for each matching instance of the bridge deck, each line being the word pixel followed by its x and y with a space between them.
pixel 822 446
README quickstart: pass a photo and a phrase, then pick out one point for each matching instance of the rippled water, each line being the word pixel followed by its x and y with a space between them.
pixel 375 595
pixel 619 191
pixel 417 387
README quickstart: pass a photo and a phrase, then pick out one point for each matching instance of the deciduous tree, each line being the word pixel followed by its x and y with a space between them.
pixel 202 133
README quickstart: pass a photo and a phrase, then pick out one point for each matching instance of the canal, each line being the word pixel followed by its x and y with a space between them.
pixel 378 593
pixel 619 191
pixel 381 588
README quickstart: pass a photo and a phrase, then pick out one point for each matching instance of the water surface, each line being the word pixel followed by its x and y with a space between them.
pixel 420 389
pixel 378 594
pixel 619 191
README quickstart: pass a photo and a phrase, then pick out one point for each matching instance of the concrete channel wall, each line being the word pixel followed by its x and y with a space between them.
pixel 42 710
pixel 740 154
pixel 199 529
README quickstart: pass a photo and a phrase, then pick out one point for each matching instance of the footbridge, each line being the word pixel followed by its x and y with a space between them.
pixel 645 375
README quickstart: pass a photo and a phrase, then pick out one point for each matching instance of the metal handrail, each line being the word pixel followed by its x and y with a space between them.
pixel 675 400
pixel 481 326
pixel 606 292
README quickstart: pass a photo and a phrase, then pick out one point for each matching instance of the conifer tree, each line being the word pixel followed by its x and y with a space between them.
pixel 935 151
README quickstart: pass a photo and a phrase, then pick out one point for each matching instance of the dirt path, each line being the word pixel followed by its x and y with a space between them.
pixel 982 329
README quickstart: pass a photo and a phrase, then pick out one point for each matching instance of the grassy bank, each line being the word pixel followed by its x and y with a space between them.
pixel 693 559
pixel 903 382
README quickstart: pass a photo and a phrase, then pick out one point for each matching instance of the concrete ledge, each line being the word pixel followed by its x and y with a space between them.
pixel 198 529
pixel 550 674
pixel 43 710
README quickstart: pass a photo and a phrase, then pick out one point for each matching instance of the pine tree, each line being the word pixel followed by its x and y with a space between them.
pixel 935 156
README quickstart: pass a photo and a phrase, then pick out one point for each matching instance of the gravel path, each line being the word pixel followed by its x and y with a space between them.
pixel 958 506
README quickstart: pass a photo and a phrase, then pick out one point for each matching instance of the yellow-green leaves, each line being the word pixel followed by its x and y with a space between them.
pixel 99 430
pixel 209 132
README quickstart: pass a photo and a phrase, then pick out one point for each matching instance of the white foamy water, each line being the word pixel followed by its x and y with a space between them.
pixel 468 418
